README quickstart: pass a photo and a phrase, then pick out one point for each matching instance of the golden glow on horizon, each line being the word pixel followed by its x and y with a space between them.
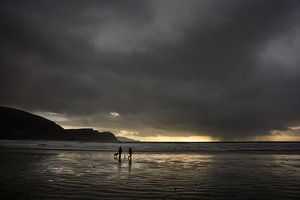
pixel 292 134
pixel 71 127
pixel 275 136
pixel 278 138
pixel 176 139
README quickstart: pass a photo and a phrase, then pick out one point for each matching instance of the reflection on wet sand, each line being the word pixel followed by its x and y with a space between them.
pixel 79 174
pixel 129 164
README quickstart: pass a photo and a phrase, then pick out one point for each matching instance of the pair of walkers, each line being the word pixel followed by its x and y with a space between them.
pixel 119 153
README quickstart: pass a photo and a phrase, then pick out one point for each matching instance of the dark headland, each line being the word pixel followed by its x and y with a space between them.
pixel 18 124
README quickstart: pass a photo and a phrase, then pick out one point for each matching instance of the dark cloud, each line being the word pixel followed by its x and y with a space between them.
pixel 225 69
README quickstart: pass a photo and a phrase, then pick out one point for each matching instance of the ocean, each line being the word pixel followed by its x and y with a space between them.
pixel 185 147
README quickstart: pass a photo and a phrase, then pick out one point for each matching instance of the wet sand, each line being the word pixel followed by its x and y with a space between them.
pixel 57 174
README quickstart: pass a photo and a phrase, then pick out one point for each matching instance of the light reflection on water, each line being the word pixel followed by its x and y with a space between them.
pixel 78 163
pixel 88 175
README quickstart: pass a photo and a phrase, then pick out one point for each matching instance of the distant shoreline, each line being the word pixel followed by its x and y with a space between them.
pixel 155 147
pixel 88 141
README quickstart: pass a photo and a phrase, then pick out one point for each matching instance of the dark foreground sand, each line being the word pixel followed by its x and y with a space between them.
pixel 61 174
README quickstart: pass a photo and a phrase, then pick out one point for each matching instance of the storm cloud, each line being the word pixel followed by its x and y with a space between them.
pixel 226 69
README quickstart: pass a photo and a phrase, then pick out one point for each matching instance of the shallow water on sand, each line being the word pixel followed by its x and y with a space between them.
pixel 56 174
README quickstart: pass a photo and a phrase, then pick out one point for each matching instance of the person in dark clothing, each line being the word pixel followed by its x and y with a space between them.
pixel 130 153
pixel 120 153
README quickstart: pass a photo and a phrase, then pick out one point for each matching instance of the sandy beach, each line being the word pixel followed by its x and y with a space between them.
pixel 63 174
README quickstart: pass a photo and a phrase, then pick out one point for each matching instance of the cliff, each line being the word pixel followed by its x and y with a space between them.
pixel 88 134
pixel 17 124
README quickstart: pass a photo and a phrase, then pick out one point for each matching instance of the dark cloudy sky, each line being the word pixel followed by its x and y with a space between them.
pixel 225 69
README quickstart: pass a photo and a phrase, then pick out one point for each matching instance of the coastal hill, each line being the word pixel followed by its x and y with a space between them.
pixel 125 139
pixel 89 134
pixel 18 124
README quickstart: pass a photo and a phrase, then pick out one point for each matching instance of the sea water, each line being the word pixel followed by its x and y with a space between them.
pixel 221 147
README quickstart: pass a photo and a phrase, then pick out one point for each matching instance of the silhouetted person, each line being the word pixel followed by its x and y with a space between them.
pixel 130 153
pixel 120 153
